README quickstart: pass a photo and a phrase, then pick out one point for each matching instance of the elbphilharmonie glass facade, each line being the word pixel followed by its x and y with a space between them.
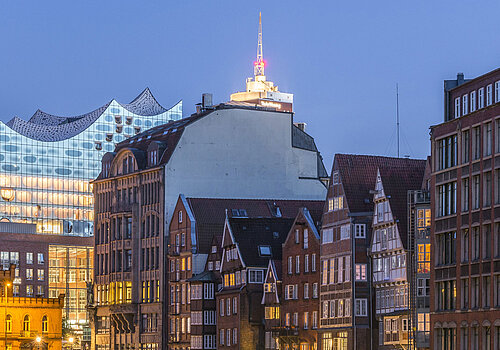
pixel 46 165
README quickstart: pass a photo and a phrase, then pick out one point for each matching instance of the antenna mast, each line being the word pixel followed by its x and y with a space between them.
pixel 258 69
pixel 397 114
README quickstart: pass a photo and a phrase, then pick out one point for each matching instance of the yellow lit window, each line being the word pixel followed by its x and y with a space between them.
pixel 112 293
pixel 226 280
pixel 183 264
pixel 119 292
pixel 158 291
pixel 144 292
pixel 272 313
pixel 8 324
pixel 231 280
pixel 424 258
pixel 128 292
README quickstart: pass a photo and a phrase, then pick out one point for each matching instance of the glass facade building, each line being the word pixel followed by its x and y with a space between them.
pixel 46 165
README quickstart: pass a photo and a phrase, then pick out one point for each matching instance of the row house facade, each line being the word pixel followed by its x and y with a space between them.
pixel 389 250
pixel 195 260
pixel 248 244
pixel 300 283
pixel 465 231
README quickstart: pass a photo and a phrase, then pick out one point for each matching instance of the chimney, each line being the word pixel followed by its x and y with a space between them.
pixel 206 100
pixel 301 126
pixel 460 78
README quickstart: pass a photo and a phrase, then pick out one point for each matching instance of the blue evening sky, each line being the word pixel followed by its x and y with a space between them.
pixel 341 59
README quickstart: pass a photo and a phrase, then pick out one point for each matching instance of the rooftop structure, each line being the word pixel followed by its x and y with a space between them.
pixel 259 90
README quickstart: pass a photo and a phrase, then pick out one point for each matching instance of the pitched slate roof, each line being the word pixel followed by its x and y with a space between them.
pixel 358 174
pixel 397 179
pixel 250 233
pixel 210 213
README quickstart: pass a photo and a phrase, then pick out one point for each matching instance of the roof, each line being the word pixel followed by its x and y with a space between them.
pixel 398 179
pixel 205 276
pixel 358 174
pixel 250 233
pixel 50 128
pixel 210 213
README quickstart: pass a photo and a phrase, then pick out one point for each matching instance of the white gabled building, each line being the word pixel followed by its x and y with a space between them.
pixel 389 250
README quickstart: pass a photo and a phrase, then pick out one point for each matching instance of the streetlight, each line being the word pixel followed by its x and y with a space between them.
pixel 38 341
pixel 71 341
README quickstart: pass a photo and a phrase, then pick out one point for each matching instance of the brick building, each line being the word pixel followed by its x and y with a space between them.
pixel 390 248
pixel 300 283
pixel 248 245
pixel 465 231
pixel 271 299
pixel 194 259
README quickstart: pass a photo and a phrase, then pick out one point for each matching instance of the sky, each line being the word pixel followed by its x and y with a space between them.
pixel 340 59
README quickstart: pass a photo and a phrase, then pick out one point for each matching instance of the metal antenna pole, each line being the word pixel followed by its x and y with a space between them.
pixel 397 114
pixel 259 64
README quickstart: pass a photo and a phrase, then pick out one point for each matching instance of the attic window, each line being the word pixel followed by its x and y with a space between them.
pixel 242 213
pixel 264 250
pixel 276 234
pixel 335 177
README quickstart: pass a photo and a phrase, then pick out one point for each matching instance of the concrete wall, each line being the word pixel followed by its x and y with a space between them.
pixel 238 153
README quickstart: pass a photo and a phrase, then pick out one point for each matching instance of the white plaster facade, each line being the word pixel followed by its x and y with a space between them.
pixel 241 153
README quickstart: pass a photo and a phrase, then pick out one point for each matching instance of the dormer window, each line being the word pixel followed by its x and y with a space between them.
pixel 241 213
pixel 265 250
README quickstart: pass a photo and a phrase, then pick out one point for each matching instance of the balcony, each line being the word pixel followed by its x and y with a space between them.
pixel 27 334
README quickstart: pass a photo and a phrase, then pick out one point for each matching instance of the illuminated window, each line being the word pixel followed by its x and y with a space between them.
pixel 338 203
pixel 330 204
pixel 423 218
pixel 8 324
pixel 424 258
pixel 26 323
pixel 128 292
pixel 272 313
pixel 45 324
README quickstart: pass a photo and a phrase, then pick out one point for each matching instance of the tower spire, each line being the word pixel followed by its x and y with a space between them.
pixel 258 69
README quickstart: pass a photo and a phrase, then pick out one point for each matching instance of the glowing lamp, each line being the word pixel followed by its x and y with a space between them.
pixel 71 339
pixel 38 339
pixel 7 194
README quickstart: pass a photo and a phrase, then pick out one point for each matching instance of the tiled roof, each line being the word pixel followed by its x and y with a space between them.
pixel 358 174
pixel 398 178
pixel 250 233
pixel 210 213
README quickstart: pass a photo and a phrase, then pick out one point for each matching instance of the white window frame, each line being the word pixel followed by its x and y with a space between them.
pixel 473 101
pixel 457 107
pixel 489 95
pixel 306 238
pixel 359 230
pixel 465 104
pixel 480 98
pixel 497 91
pixel 361 307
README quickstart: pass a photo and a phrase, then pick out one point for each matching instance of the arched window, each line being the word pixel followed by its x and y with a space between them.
pixel 8 324
pixel 45 324
pixel 26 323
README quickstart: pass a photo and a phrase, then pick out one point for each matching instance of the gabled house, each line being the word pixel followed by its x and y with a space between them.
pixel 389 250
pixel 271 299
pixel 300 276
pixel 194 248
pixel 248 245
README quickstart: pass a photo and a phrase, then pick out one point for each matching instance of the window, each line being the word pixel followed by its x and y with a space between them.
pixel 475 243
pixel 272 313
pixel 446 245
pixel 8 324
pixel 306 263
pixel 475 192
pixel 424 258
pixel 26 323
pixel 287 319
pixel 487 242
pixel 464 285
pixel 315 320
pixel 296 319
pixel 180 216
pixel 264 250
pixel 228 306
pixel 423 287
pixel 256 276
pixel 465 245
pixel 306 238
pixel 446 292
pixel 472 101
pixel 228 340
pixel 210 266
pixel 465 104
pixel 291 291
pixel 447 152
pixel 487 142
pixel 235 335
pixel 208 290
pixel 476 143
pixel 335 177
pixel 290 265
pixel 497 91
pixel 330 204
pixel 457 107
pixel 489 95
pixel 338 203
pixel 345 231
pixel 480 98
pixel 29 274
pixel 29 258
pixel 361 307
pixel 465 146
pixel 496 240
pixel 45 324
pixel 465 194
pixel 297 239
pixel 447 195
pixel 313 263
pixel 360 272
pixel 315 290
pixel 486 292
pixel 360 230
pixel 327 235
pixel 221 336
pixel 41 274
pixel 221 307
pixel 306 290
pixel 297 264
